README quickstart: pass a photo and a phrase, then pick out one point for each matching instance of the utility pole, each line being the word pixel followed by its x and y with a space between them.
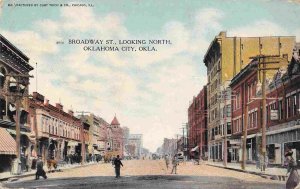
pixel 264 117
pixel 82 138
pixel 225 130
pixel 262 61
pixel 19 95
pixel 245 130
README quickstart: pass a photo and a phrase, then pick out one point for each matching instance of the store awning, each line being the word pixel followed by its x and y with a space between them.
pixel 7 143
pixel 195 149
pixel 72 143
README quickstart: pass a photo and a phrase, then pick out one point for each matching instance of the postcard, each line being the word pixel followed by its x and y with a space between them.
pixel 149 94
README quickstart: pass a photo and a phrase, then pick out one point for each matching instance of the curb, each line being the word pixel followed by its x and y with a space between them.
pixel 13 177
pixel 263 175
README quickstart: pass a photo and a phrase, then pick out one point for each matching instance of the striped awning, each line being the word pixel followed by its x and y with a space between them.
pixel 7 143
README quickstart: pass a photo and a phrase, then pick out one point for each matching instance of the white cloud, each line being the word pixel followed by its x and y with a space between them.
pixel 149 91
pixel 259 28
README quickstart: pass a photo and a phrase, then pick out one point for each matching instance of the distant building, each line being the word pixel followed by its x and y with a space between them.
pixel 137 141
pixel 115 138
pixel 169 147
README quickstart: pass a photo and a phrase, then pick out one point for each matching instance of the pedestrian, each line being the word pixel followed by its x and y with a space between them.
pixel 167 161
pixel 174 163
pixel 117 163
pixel 39 169
pixel 293 179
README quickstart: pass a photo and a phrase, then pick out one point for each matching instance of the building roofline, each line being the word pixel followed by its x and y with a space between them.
pixel 17 51
pixel 245 70
pixel 14 47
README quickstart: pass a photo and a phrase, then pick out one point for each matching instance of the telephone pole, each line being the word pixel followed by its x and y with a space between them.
pixel 262 66
pixel 21 85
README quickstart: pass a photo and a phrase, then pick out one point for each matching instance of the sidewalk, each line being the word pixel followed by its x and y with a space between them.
pixel 7 175
pixel 270 172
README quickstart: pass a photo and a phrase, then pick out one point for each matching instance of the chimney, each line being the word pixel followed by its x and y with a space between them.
pixel 59 106
pixel 37 96
pixel 46 102
pixel 70 112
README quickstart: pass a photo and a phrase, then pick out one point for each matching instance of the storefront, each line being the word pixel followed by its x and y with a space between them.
pixel 278 141
pixel 7 150
pixel 234 150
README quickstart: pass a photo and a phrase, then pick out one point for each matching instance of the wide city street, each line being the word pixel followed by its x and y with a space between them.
pixel 148 174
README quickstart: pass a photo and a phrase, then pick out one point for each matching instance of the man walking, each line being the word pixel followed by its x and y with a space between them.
pixel 39 169
pixel 117 163
pixel 167 161
pixel 174 163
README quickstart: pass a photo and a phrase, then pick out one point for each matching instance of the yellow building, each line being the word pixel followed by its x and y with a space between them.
pixel 225 57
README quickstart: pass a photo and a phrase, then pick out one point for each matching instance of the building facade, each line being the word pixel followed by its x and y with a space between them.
pixel 58 133
pixel 283 129
pixel 14 81
pixel 225 57
pixel 137 141
pixel 115 138
pixel 280 109
pixel 197 121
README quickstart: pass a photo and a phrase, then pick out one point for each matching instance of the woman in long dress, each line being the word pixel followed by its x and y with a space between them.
pixel 293 179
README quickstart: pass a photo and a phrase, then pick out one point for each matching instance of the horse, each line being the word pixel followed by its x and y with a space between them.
pixel 51 163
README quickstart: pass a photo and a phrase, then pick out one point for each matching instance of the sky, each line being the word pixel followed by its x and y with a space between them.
pixel 148 91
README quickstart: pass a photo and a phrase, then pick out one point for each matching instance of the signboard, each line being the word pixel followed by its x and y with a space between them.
pixel 274 115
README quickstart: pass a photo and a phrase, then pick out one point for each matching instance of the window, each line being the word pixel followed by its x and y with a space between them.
pixel 294 105
pixel 255 119
pixel 280 110
pixel 2 77
pixel 228 112
pixel 228 128
pixel 288 110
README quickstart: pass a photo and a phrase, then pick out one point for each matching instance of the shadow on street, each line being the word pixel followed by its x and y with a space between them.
pixel 151 181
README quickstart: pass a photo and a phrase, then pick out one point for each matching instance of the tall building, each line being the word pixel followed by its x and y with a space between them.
pixel 225 57
pixel 197 121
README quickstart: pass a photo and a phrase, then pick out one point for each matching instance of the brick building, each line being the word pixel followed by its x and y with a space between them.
pixel 281 110
pixel 197 125
pixel 225 58
pixel 58 133
pixel 283 113
pixel 115 138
